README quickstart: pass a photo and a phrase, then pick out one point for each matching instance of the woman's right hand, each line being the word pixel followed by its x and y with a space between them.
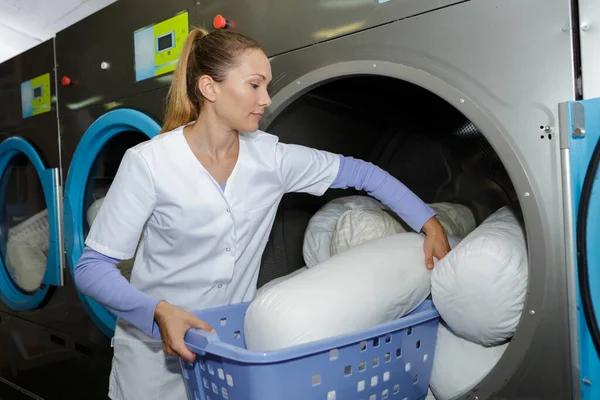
pixel 173 322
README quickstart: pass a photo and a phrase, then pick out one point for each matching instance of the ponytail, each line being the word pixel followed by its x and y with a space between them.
pixel 181 109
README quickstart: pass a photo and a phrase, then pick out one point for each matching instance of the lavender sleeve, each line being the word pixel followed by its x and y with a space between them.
pixel 97 276
pixel 376 182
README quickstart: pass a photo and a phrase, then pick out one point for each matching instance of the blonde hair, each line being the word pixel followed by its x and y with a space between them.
pixel 213 54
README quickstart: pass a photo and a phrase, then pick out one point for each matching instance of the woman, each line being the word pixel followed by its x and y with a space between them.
pixel 204 195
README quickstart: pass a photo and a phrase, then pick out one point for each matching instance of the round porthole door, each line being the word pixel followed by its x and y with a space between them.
pixel 93 166
pixel 30 234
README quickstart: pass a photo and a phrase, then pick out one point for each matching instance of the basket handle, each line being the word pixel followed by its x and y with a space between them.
pixel 200 341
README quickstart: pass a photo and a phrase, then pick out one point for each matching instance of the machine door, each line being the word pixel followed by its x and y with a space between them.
pixel 583 140
pixel 30 233
pixel 94 162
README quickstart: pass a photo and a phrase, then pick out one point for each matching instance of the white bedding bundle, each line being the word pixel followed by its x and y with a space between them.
pixel 367 269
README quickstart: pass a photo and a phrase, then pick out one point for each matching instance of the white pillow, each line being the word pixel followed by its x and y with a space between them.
pixel 93 210
pixel 26 264
pixel 479 288
pixel 358 226
pixel 457 220
pixel 27 249
pixel 277 281
pixel 459 365
pixel 374 282
pixel 317 237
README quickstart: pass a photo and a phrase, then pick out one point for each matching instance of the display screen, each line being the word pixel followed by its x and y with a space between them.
pixel 35 96
pixel 157 47
pixel 165 42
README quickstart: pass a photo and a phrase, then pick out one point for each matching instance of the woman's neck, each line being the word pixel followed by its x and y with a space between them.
pixel 208 137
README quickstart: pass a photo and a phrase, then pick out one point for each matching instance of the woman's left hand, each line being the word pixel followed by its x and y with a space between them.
pixel 436 242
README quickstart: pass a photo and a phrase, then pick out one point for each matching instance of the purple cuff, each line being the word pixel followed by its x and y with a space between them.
pixel 363 175
pixel 97 276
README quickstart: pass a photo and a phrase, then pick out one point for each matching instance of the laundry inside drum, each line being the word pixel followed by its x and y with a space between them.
pixel 24 228
pixel 444 158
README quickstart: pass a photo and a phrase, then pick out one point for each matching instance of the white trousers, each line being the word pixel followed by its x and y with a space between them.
pixel 141 370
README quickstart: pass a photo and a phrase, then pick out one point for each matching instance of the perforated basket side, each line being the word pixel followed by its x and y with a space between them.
pixel 397 362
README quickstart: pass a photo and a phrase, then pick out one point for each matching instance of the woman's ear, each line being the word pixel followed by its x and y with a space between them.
pixel 208 88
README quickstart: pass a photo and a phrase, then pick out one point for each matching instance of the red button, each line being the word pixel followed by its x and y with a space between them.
pixel 219 22
pixel 66 81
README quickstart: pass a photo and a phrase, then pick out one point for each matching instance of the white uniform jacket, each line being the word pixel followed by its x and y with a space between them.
pixel 201 247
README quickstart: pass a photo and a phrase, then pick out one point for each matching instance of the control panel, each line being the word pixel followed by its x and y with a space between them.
pixel 35 96
pixel 158 47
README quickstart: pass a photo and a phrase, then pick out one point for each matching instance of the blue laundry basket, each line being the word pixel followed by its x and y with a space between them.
pixel 393 360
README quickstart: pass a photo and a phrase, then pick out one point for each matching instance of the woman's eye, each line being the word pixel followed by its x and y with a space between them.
pixel 254 85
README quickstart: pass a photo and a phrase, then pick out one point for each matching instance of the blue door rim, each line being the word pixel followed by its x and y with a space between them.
pixel 584 159
pixel 93 140
pixel 10 294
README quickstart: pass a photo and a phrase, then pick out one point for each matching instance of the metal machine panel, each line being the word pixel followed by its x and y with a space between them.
pixel 96 57
pixel 10 98
pixel 589 36
pixel 74 125
pixel 38 362
pixel 28 100
pixel 493 69
pixel 309 22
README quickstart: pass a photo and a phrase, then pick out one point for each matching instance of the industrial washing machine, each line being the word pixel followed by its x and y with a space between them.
pixel 31 240
pixel 113 80
pixel 461 103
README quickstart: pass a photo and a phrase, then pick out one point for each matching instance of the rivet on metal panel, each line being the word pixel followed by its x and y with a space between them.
pixel 585 27
pixel 104 65
pixel 298 82
pixel 547 129
pixel 532 312
pixel 374 65
pixel 578 132
pixel 587 381
pixel 565 28
pixel 526 194
pixel 462 100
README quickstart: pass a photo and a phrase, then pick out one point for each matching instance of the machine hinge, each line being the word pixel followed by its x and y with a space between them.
pixel 578 118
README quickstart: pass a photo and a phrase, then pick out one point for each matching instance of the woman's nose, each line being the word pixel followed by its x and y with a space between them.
pixel 265 101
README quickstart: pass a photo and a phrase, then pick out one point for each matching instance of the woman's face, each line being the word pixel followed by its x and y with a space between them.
pixel 242 97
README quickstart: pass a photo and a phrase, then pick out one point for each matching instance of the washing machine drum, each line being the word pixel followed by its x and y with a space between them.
pixel 437 170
